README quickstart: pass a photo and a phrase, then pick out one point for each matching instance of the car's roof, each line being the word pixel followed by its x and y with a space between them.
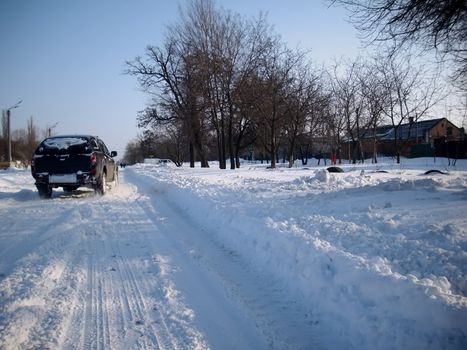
pixel 83 136
pixel 72 135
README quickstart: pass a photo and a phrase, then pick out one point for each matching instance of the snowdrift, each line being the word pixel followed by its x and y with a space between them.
pixel 378 259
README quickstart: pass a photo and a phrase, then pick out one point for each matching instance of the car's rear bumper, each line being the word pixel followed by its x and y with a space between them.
pixel 59 180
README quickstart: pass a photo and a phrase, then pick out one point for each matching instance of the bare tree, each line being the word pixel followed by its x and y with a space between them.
pixel 24 142
pixel 409 95
pixel 195 77
pixel 336 122
pixel 171 75
pixel 221 80
pixel 133 153
pixel 374 98
pixel 229 48
pixel 32 137
pixel 222 39
pixel 301 107
pixel 273 82
pixel 431 24
pixel 350 103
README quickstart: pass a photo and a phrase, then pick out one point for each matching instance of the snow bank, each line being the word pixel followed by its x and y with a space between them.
pixel 379 259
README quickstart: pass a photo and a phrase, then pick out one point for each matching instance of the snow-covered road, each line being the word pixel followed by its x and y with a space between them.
pixel 251 259
pixel 129 271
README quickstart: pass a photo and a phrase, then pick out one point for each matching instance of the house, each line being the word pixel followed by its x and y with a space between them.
pixel 434 137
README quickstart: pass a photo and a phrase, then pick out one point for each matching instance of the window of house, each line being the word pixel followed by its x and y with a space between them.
pixel 449 131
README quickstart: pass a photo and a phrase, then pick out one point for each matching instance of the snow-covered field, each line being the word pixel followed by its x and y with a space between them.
pixel 180 258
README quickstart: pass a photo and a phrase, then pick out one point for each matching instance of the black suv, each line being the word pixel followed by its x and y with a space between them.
pixel 71 162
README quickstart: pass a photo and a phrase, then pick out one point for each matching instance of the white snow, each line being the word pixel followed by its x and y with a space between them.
pixel 63 143
pixel 252 258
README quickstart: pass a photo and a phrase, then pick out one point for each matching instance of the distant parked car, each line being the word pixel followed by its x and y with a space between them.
pixel 71 162
pixel 166 162
pixel 159 161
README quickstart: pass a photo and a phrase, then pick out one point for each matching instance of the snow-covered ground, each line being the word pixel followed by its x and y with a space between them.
pixel 180 258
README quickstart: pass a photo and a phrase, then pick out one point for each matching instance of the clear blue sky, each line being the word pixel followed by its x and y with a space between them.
pixel 65 59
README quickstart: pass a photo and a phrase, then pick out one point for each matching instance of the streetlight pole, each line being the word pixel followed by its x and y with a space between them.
pixel 50 129
pixel 8 114
pixel 8 128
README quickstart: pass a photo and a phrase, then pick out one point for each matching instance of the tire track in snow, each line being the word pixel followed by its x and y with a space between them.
pixel 88 307
pixel 91 314
pixel 80 312
pixel 208 294
pixel 279 320
pixel 135 306
pixel 149 318
pixel 105 296
pixel 118 314
pixel 96 320
pixel 164 316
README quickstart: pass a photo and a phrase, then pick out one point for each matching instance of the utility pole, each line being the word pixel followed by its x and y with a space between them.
pixel 49 131
pixel 8 128
pixel 8 114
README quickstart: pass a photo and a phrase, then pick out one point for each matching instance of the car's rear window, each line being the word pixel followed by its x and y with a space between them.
pixel 63 145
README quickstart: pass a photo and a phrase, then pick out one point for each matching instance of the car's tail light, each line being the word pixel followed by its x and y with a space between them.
pixel 93 160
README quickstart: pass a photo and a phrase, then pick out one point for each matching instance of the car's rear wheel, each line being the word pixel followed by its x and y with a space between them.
pixel 45 191
pixel 115 179
pixel 101 185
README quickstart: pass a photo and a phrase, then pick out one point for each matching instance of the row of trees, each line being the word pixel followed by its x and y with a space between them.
pixel 23 141
pixel 223 86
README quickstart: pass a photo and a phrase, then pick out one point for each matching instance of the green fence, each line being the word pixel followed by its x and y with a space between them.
pixel 423 150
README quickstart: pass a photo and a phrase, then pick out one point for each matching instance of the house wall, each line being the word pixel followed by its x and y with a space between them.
pixel 441 130
pixel 438 140
pixel 448 143
pixel 367 146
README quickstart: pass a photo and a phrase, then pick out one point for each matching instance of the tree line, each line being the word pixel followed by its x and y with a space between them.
pixel 23 141
pixel 224 86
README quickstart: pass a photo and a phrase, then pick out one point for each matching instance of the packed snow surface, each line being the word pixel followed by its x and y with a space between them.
pixel 63 143
pixel 253 258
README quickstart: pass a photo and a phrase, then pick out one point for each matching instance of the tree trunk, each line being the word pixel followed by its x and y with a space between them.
pixel 291 153
pixel 200 151
pixel 197 140
pixel 273 145
pixel 304 155
pixel 362 155
pixel 222 136
pixel 231 147
pixel 219 152
pixel 237 153
pixel 396 149
pixel 192 155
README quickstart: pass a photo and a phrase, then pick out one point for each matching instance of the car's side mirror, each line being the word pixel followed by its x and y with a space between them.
pixel 113 154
